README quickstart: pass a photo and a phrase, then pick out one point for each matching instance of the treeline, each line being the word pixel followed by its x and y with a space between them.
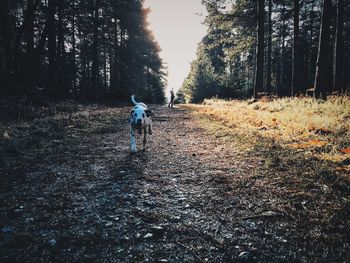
pixel 79 49
pixel 283 48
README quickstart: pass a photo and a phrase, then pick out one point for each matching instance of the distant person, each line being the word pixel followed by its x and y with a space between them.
pixel 172 97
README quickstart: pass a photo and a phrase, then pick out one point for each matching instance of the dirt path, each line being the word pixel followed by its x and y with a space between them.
pixel 188 198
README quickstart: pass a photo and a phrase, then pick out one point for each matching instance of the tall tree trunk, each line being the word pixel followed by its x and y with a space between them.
pixel 95 66
pixel 121 65
pixel 112 73
pixel 23 70
pixel 310 63
pixel 323 76
pixel 6 39
pixel 347 64
pixel 296 60
pixel 74 87
pixel 30 27
pixel 259 78
pixel 269 50
pixel 113 58
pixel 84 74
pixel 282 59
pixel 61 52
pixel 105 81
pixel 39 50
pixel 338 73
pixel 29 69
pixel 52 81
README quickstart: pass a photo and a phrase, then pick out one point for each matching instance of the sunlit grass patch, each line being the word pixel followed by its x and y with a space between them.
pixel 318 128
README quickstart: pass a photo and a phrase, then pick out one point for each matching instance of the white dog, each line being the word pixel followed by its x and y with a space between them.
pixel 140 120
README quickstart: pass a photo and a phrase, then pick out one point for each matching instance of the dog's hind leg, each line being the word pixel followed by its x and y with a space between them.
pixel 150 129
pixel 132 140
pixel 144 138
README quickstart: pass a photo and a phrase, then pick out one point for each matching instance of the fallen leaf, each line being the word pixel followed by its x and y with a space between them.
pixel 346 150
pixel 317 143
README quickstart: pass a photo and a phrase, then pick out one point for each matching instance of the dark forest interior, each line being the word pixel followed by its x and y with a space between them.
pixel 54 50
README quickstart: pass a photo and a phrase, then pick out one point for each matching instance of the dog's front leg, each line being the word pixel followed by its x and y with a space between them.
pixel 132 140
pixel 144 138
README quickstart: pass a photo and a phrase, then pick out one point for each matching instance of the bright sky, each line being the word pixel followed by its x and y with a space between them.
pixel 177 26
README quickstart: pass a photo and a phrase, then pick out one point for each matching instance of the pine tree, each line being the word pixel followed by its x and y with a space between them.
pixel 81 49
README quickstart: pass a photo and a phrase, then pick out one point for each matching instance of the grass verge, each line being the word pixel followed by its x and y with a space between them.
pixel 287 129
pixel 314 191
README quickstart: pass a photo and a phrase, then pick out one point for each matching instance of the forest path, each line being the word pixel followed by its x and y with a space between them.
pixel 188 197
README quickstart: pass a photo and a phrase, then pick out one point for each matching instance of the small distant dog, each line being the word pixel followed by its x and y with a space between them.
pixel 140 120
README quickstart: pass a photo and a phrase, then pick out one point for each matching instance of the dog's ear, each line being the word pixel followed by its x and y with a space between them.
pixel 149 113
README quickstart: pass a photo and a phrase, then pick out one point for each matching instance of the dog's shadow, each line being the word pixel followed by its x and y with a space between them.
pixel 131 164
pixel 139 156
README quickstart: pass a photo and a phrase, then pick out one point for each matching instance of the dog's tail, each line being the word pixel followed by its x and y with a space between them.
pixel 133 99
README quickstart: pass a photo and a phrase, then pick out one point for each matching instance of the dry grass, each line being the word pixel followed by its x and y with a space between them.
pixel 318 128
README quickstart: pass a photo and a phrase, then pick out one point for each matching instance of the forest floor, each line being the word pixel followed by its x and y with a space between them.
pixel 72 192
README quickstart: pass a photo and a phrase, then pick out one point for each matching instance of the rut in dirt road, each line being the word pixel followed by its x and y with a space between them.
pixel 189 197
